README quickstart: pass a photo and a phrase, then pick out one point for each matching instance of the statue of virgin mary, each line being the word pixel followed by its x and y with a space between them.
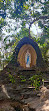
pixel 27 59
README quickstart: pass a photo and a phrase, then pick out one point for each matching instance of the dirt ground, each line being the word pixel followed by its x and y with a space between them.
pixel 20 96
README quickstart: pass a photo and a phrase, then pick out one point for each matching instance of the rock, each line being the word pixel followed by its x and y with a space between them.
pixel 7 108
pixel 44 93
pixel 47 86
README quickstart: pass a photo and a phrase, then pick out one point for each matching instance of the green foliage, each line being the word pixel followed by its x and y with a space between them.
pixel 45 50
pixel 23 33
pixel 12 79
pixel 1 22
pixel 40 24
pixel 36 84
pixel 22 12
pixel 35 81
pixel 43 81
pixel 22 78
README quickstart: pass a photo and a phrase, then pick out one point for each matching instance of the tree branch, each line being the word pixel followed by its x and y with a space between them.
pixel 41 17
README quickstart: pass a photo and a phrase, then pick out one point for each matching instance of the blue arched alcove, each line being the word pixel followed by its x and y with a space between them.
pixel 27 40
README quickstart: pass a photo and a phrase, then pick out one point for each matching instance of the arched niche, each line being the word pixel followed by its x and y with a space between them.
pixel 22 56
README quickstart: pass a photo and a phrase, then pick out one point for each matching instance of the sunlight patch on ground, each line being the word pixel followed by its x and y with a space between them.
pixel 46 106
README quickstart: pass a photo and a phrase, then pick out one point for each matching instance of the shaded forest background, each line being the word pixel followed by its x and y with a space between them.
pixel 16 20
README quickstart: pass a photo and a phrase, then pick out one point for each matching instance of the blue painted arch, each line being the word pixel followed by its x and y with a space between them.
pixel 27 40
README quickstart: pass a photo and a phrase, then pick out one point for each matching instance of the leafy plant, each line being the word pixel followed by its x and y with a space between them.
pixel 36 84
pixel 22 78
pixel 35 81
pixel 43 81
pixel 12 79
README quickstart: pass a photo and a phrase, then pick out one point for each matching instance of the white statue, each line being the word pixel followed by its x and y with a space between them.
pixel 28 59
